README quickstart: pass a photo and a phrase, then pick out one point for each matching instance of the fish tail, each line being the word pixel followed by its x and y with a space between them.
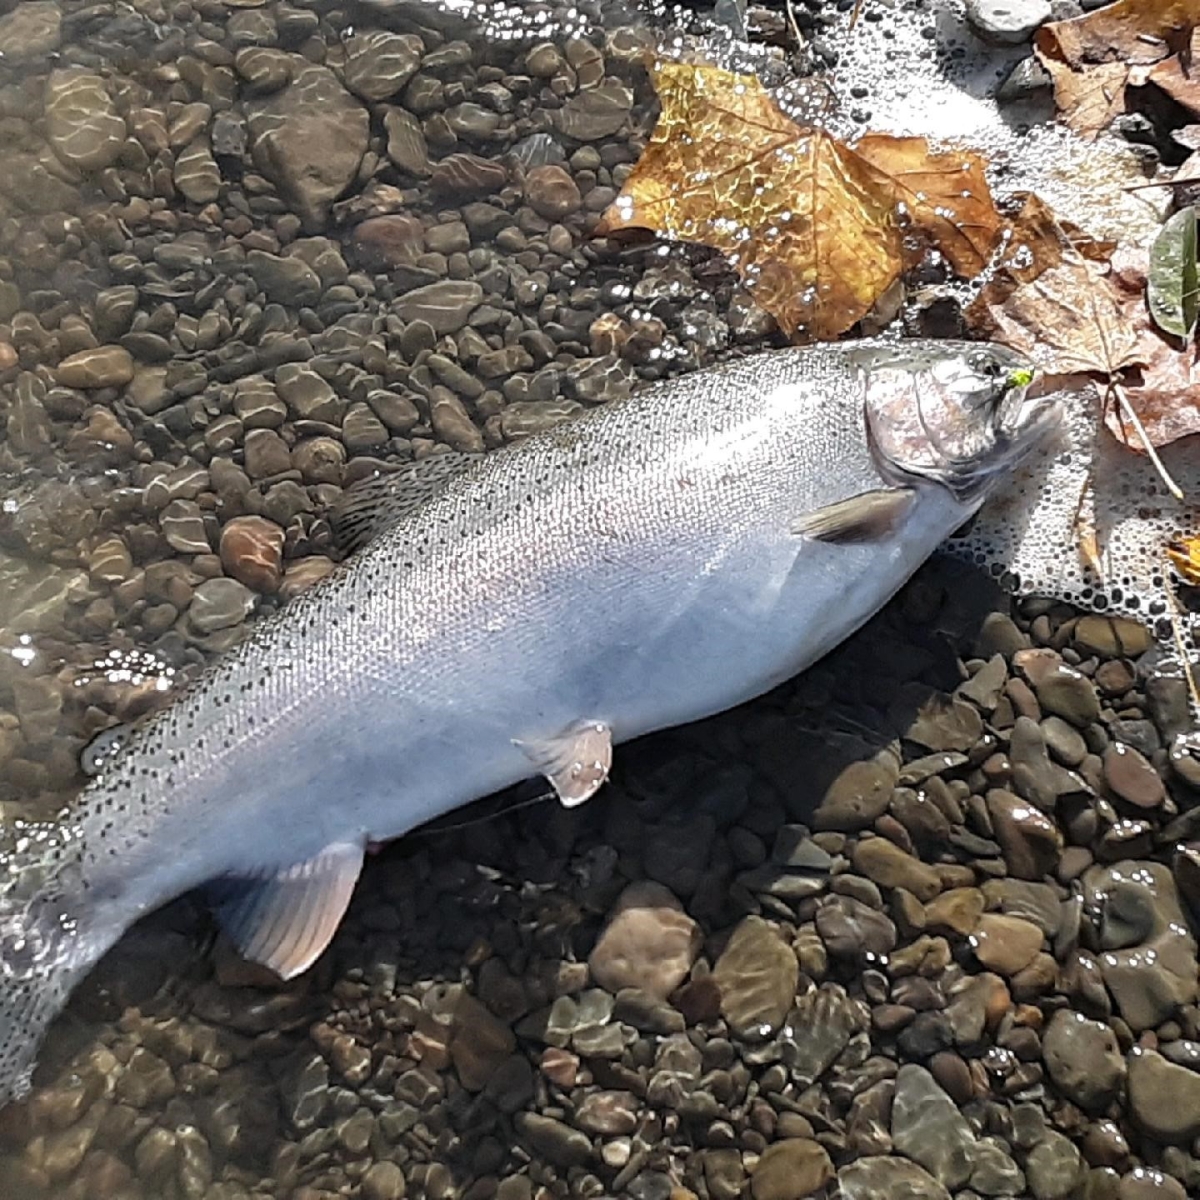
pixel 43 950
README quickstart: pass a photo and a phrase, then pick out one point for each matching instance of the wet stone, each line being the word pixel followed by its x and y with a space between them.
pixel 1164 1097
pixel 877 1177
pixel 1128 773
pixel 757 974
pixel 551 192
pixel 383 1181
pixel 309 139
pixel 287 280
pixel 307 395
pixel 266 454
pixel 1005 944
pixel 887 865
pixel 608 1114
pixel 220 604
pixel 928 1128
pixel 552 1140
pixel 379 64
pixel 849 928
pixel 183 527
pixel 406 145
pixel 445 306
pixel 649 942
pixel 946 723
pixel 251 550
pixel 1067 693
pixel 858 795
pixel 791 1170
pixel 1145 1183
pixel 1029 840
pixel 817 1031
pixel 98 367
pixel 82 123
pixel 480 1043
pixel 197 175
pixel 596 113
pixel 1083 1059
pixel 1053 1167
pixel 30 31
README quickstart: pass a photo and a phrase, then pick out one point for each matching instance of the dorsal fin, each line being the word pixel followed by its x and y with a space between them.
pixel 370 506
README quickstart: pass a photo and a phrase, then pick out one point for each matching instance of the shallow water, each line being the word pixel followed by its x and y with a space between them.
pixel 249 253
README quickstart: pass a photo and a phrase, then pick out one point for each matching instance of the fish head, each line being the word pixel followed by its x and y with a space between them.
pixel 962 414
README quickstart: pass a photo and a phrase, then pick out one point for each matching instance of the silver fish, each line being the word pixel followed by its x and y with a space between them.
pixel 654 562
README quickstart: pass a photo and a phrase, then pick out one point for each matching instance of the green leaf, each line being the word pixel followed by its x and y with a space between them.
pixel 1172 291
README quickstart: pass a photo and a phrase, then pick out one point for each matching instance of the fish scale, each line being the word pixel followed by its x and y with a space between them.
pixel 630 570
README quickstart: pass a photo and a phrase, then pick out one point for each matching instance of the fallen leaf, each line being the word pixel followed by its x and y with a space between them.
pixel 1094 59
pixel 1052 302
pixel 815 229
pixel 806 223
pixel 1171 290
pixel 1129 31
pixel 945 195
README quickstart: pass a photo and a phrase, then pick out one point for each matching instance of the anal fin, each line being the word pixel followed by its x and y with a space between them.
pixel 576 762
pixel 867 517
pixel 285 921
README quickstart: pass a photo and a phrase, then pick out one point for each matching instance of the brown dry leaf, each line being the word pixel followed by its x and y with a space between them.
pixel 1163 383
pixel 812 226
pixel 1093 59
pixel 945 194
pixel 1052 302
pixel 1130 31
pixel 806 223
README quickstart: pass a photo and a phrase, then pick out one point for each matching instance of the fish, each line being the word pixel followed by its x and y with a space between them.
pixel 652 562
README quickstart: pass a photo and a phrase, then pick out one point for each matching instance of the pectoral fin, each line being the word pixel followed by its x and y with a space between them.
pixel 867 517
pixel 576 762
pixel 285 922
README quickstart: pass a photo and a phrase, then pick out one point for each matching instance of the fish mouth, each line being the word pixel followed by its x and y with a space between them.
pixel 1028 411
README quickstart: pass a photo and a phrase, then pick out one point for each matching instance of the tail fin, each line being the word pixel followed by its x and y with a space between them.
pixel 43 953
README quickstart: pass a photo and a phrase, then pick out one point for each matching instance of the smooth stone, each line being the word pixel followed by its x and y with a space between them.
pixel 1112 637
pixel 446 305
pixel 1084 1059
pixel 1131 776
pixel 551 192
pixel 818 1030
pixel 183 527
pixel 1146 1183
pixel 757 974
pixel 30 31
pixel 309 139
pixel 251 550
pixel 197 175
pixel 220 604
pixel 858 795
pixel 956 911
pixel 480 1043
pixel 887 865
pixel 307 395
pixel 98 367
pixel 82 123
pixel 928 1128
pixel 378 64
pixel 595 113
pixel 1005 944
pixel 791 1170
pixel 1164 1098
pixel 393 240
pixel 648 942
pixel 1007 22
pixel 945 723
pixel 1067 693
pixel 553 1141
pixel 286 279
pixel 994 1172
pixel 849 928
pixel 266 454
pixel 1054 1167
pixel 1029 840
pixel 406 145
pixel 881 1177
